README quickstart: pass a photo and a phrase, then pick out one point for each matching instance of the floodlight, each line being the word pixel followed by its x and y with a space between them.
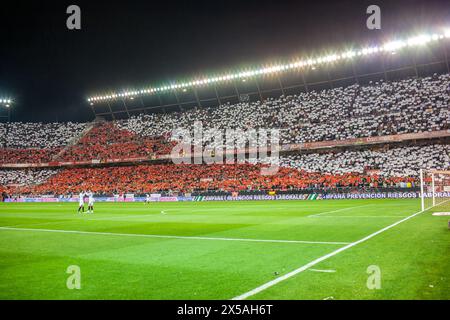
pixel 388 47
pixel 419 40
pixel 6 101
pixel 393 45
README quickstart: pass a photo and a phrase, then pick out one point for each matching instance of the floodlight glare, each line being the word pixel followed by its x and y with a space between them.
pixel 419 40
pixel 390 47
pixel 447 33
pixel 6 101
pixel 393 45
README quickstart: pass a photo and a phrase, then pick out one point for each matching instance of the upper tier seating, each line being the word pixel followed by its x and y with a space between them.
pixel 381 108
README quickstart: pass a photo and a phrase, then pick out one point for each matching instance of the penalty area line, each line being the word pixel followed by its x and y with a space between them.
pixel 321 270
pixel 170 236
pixel 362 217
pixel 318 260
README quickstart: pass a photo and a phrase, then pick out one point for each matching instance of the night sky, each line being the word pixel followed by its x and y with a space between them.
pixel 50 71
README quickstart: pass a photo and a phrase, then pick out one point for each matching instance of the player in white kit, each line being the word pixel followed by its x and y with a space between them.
pixel 81 202
pixel 147 199
pixel 90 202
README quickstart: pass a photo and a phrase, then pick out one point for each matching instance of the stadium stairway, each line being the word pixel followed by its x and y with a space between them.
pixel 74 141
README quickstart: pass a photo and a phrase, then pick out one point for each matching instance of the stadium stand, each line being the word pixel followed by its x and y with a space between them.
pixel 35 142
pixel 20 135
pixel 10 155
pixel 382 108
pixel 398 161
pixel 413 105
pixel 190 177
pixel 25 177
pixel 107 141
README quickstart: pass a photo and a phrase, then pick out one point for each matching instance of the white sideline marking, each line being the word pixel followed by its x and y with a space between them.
pixel 167 236
pixel 343 209
pixel 319 270
pixel 362 216
pixel 441 214
pixel 318 260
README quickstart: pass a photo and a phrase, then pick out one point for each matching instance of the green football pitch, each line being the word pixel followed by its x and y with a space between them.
pixel 333 249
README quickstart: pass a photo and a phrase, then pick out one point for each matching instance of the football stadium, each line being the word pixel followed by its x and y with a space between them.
pixel 323 176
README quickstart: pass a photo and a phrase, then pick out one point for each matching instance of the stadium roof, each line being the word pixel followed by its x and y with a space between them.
pixel 392 46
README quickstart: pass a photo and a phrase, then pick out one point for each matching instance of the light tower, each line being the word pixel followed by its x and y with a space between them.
pixel 5 108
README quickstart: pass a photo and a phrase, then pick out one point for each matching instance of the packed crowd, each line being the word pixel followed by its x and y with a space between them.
pixel 381 108
pixel 11 155
pixel 103 141
pixel 397 161
pixel 188 178
pixel 25 177
pixel 107 141
pixel 35 142
pixel 20 135
pixel 372 167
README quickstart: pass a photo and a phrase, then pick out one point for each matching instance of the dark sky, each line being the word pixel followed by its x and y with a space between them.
pixel 50 70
